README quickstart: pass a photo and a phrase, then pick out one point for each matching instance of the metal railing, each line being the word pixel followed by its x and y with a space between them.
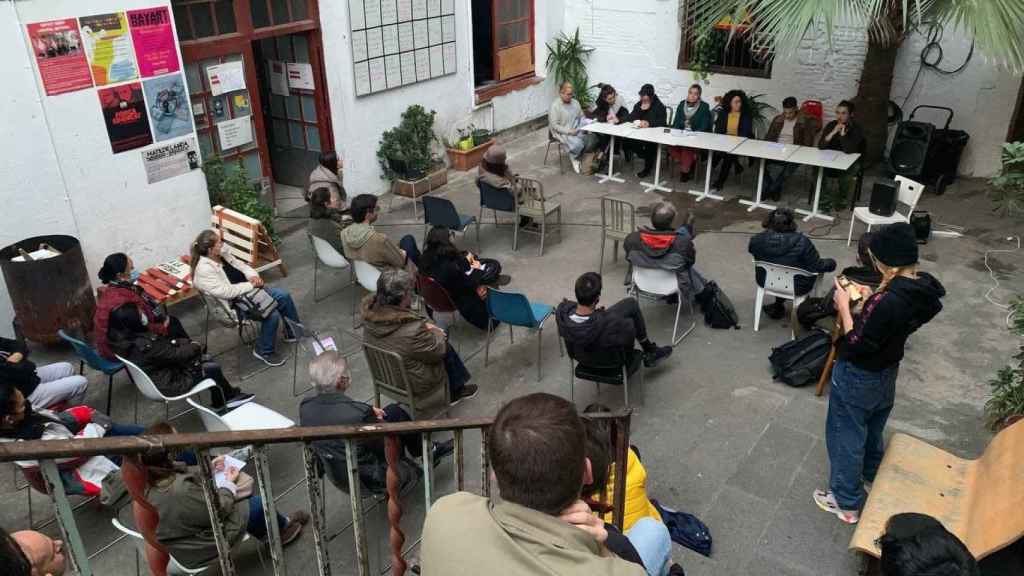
pixel 202 443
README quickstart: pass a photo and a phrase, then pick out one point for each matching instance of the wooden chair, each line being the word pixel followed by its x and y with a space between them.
pixel 537 207
pixel 618 220
pixel 387 368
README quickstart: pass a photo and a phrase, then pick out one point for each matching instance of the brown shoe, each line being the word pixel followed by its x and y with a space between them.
pixel 296 520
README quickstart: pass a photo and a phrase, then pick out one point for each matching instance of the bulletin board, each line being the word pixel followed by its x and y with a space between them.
pixel 400 42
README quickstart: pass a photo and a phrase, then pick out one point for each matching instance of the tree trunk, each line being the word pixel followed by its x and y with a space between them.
pixel 873 96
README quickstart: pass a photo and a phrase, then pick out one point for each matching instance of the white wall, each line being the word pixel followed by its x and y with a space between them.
pixel 59 174
pixel 638 42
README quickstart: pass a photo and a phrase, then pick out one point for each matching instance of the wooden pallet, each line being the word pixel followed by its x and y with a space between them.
pixel 247 239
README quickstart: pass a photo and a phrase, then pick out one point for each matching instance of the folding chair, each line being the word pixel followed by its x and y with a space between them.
pixel 779 281
pixel 516 310
pixel 909 193
pixel 537 207
pixel 497 199
pixel 441 212
pixel 88 355
pixel 144 384
pixel 248 416
pixel 387 369
pixel 561 148
pixel 615 371
pixel 618 220
pixel 653 284
pixel 324 253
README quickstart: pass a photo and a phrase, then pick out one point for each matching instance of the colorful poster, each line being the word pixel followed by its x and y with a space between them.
pixel 109 48
pixel 59 55
pixel 226 77
pixel 154 43
pixel 170 160
pixel 235 133
pixel 167 102
pixel 124 112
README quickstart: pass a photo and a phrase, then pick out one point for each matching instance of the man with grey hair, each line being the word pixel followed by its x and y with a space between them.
pixel 664 246
pixel 430 362
pixel 329 405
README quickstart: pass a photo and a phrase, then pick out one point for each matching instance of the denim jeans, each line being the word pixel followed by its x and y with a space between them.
pixel 458 375
pixel 653 543
pixel 773 185
pixel 257 526
pixel 268 331
pixel 858 407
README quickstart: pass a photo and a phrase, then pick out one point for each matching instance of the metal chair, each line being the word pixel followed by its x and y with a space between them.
pixel 326 254
pixel 561 147
pixel 441 212
pixel 615 371
pixel 537 207
pixel 908 193
pixel 88 355
pixel 144 384
pixel 655 283
pixel 516 310
pixel 366 275
pixel 497 199
pixel 779 281
pixel 618 220
pixel 387 368
pixel 249 416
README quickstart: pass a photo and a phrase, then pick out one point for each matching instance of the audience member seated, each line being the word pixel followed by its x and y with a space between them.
pixel 735 119
pixel 649 112
pixel 597 333
pixel 118 276
pixel 692 114
pixel 494 172
pixel 328 174
pixel 813 309
pixel 44 386
pixel 564 123
pixel 326 221
pixel 790 127
pixel 540 525
pixel 781 243
pixel 210 260
pixel 430 362
pixel 845 135
pixel 30 553
pixel 462 274
pixel 185 529
pixel 662 246
pixel 175 365
pixel 329 405
pixel 362 241
pixel 919 545
pixel 610 108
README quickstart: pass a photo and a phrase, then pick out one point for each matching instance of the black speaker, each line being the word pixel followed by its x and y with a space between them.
pixel 883 199
pixel 910 148
pixel 922 223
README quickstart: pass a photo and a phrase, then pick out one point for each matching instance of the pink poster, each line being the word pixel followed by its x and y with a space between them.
pixel 59 54
pixel 153 37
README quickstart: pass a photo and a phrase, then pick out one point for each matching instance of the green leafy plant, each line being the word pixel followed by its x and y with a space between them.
pixel 708 48
pixel 760 112
pixel 567 62
pixel 1008 186
pixel 1007 401
pixel 230 186
pixel 405 151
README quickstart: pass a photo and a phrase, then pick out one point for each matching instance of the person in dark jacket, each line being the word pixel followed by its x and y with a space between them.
pixel 595 333
pixel 609 108
pixel 781 243
pixel 663 246
pixel 649 112
pixel 174 365
pixel 326 221
pixel 462 274
pixel 735 119
pixel 43 386
pixel 692 114
pixel 813 309
pixel 791 128
pixel 329 405
pixel 868 357
pixel 845 135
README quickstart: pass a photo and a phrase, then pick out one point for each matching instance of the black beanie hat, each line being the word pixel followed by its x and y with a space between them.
pixel 895 245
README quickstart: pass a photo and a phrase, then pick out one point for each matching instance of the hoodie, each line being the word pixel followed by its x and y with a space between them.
pixel 422 349
pixel 888 318
pixel 362 242
pixel 789 249
pixel 590 339
pixel 322 177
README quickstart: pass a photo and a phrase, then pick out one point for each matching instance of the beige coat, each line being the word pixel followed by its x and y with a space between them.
pixel 466 534
pixel 362 242
pixel 209 278
pixel 321 177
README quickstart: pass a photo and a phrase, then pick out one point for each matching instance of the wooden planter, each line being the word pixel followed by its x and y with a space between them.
pixel 416 188
pixel 463 160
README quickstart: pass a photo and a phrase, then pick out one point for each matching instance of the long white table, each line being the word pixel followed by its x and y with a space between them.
pixel 765 151
pixel 623 130
pixel 823 159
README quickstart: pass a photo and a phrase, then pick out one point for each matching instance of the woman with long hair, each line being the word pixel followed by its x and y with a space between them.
pixel 462 274
pixel 868 359
pixel 325 220
pixel 609 109
pixel 734 119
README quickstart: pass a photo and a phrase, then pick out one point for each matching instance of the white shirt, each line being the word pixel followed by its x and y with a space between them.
pixel 786 135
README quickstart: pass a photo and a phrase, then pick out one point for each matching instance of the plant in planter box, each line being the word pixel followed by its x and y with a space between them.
pixel 1008 186
pixel 231 187
pixel 567 61
pixel 1007 401
pixel 405 151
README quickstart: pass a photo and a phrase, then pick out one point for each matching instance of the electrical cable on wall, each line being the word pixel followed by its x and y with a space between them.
pixel 934 44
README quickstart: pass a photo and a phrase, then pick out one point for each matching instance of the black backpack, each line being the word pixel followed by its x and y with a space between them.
pixel 800 362
pixel 717 308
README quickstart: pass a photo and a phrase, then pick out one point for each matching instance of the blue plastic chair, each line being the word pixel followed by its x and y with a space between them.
pixel 516 310
pixel 498 200
pixel 441 212
pixel 88 355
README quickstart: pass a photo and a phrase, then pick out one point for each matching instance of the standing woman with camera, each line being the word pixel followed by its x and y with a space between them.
pixel 870 348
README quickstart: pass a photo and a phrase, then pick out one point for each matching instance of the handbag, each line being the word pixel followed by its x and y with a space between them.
pixel 256 304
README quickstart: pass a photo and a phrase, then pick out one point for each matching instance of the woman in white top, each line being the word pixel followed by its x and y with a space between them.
pixel 208 257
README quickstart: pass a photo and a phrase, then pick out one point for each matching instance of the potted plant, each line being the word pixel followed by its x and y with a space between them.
pixel 567 62
pixel 406 155
pixel 1006 405
pixel 469 147
pixel 1008 186
pixel 231 187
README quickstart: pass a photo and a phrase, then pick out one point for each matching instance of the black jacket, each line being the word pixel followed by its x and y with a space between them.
pixel 789 249
pixel 173 364
pixel 852 143
pixel 655 116
pixel 593 339
pixel 337 409
pixel 451 273
pixel 22 375
pixel 888 318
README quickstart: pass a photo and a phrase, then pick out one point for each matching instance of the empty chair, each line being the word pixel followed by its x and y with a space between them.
pixel 561 150
pixel 615 369
pixel 328 256
pixel 496 199
pixel 249 416
pixel 654 284
pixel 537 207
pixel 618 220
pixel 366 275
pixel 441 212
pixel 779 282
pixel 516 310
pixel 147 388
pixel 88 355
pixel 389 377
pixel 908 194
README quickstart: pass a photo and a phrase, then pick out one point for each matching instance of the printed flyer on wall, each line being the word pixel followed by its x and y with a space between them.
pixel 154 43
pixel 124 112
pixel 167 102
pixel 59 55
pixel 170 160
pixel 109 48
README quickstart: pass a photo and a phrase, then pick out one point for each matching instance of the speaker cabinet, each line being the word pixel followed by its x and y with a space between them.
pixel 883 199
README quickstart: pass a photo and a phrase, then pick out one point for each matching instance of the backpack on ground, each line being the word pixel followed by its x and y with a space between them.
pixel 800 362
pixel 717 308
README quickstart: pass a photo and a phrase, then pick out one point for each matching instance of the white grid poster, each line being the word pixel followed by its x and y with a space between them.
pixel 400 42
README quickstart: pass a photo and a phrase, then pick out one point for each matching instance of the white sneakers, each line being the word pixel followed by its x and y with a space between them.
pixel 575 164
pixel 827 502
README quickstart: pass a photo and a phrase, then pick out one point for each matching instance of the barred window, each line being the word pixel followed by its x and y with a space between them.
pixel 717 54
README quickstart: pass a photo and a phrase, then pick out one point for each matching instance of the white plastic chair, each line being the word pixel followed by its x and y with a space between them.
pixel 655 283
pixel 327 255
pixel 174 568
pixel 249 416
pixel 147 388
pixel 779 281
pixel 367 276
pixel 908 193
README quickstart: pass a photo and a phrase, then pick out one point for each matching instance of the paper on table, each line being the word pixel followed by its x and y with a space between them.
pixel 229 462
pixel 321 345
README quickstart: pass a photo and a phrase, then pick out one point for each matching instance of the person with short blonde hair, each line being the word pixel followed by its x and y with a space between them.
pixel 564 123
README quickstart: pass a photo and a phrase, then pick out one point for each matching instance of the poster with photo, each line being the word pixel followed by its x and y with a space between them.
pixel 124 113
pixel 170 160
pixel 58 49
pixel 153 38
pixel 168 104
pixel 108 46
